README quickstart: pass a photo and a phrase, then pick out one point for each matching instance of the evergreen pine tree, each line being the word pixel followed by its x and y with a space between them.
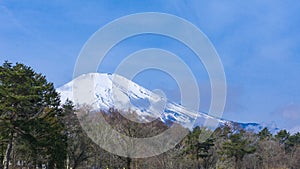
pixel 238 146
pixel 264 134
pixel 29 111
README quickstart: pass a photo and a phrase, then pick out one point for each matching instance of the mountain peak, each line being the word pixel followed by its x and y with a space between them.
pixel 106 91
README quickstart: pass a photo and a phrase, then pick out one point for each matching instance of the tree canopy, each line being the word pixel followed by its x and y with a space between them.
pixel 29 115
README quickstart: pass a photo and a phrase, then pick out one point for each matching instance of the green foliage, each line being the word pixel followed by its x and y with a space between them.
pixel 30 114
pixel 264 134
pixel 292 142
pixel 238 146
pixel 199 147
pixel 282 136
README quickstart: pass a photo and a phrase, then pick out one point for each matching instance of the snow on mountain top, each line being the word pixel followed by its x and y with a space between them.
pixel 110 90
pixel 103 91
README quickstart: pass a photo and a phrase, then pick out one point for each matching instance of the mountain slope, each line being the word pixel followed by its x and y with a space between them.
pixel 108 90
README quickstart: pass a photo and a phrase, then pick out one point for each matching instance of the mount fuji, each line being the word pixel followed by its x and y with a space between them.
pixel 103 91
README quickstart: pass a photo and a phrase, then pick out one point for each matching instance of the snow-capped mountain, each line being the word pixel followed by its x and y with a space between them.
pixel 103 91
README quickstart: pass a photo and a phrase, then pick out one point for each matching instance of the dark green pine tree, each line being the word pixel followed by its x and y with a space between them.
pixel 198 149
pixel 238 146
pixel 29 112
pixel 192 141
pixel 204 151
pixel 282 136
pixel 292 142
pixel 264 134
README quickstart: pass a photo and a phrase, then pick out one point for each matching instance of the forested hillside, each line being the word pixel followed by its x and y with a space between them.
pixel 38 131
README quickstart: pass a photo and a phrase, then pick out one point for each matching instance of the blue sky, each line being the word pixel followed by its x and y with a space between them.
pixel 257 41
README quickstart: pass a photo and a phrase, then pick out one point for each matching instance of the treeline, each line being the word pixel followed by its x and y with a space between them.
pixel 37 131
pixel 226 147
